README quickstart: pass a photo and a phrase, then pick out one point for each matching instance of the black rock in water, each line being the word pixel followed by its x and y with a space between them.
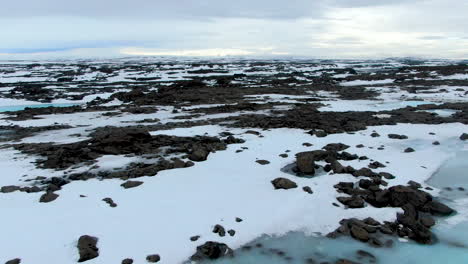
pixel 211 250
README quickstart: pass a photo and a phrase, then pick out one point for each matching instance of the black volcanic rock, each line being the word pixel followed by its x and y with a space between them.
pixel 211 250
pixel 87 248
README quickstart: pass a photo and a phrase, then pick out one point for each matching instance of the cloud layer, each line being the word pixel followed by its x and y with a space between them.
pixel 328 28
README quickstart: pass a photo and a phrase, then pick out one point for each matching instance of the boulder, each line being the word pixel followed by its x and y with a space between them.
pixel 87 248
pixel 305 163
pixel 464 136
pixel 352 202
pixel 211 250
pixel 199 154
pixel 131 184
pixel 48 197
pixel 153 258
pixel 359 233
pixel 283 183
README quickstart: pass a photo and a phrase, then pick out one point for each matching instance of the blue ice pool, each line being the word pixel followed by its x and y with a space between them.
pixel 22 107
pixel 452 246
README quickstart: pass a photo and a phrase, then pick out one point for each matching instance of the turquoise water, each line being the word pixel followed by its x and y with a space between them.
pixel 296 247
pixel 22 107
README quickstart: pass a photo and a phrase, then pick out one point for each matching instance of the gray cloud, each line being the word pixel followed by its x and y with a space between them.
pixel 300 27
pixel 163 9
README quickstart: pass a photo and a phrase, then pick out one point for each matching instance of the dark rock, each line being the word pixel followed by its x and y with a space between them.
pixel 401 195
pixel 238 220
pixel 438 208
pixel 283 183
pixel 375 134
pixel 414 185
pixel 409 150
pixel 153 258
pixel 436 143
pixel 87 248
pixel 335 147
pixel 9 189
pixel 376 165
pixel 396 136
pixel 211 250
pixel 231 232
pixel 219 229
pixel 352 202
pixel 464 136
pixel 13 261
pixel 48 197
pixel 127 261
pixel 305 163
pixel 194 238
pixel 283 155
pixel 371 221
pixel 110 202
pixel 359 233
pixel 131 184
pixel 262 162
pixel 427 221
pixel 360 146
pixel 366 172
pixel 307 189
pixel 386 175
pixel 199 154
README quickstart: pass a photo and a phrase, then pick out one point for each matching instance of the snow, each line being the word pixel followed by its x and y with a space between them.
pixel 162 214
pixel 362 82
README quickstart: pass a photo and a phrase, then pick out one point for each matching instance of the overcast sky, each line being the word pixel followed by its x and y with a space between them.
pixel 315 28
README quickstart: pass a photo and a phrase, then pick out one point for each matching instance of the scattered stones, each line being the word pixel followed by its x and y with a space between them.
pixel 283 183
pixel 262 162
pixel 131 184
pixel 110 202
pixel 307 189
pixel 219 229
pixel 48 197
pixel 211 250
pixel 87 248
pixel 153 258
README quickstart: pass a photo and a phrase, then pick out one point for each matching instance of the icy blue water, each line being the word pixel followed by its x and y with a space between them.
pixel 22 107
pixel 296 247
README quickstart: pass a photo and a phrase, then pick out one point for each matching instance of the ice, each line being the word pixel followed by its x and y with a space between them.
pixel 22 107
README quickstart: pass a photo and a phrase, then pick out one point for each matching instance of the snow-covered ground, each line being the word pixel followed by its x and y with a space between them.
pixel 161 215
